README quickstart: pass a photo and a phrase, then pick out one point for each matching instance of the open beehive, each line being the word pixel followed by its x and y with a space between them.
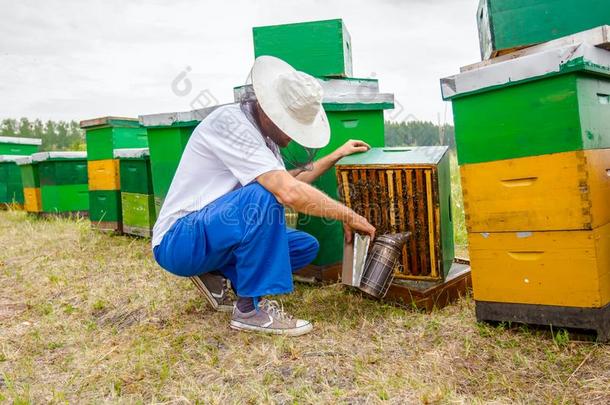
pixel 405 190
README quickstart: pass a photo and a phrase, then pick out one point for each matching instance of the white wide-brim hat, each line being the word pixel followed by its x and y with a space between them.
pixel 292 100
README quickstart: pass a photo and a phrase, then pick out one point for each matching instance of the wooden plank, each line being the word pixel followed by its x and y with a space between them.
pixel 403 226
pixel 597 319
pixel 431 227
pixel 421 225
pixel 391 200
pixel 365 192
pixel 415 269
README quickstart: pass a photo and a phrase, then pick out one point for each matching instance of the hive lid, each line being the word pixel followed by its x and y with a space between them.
pixel 23 160
pixel 177 119
pixel 562 60
pixel 133 153
pixel 20 140
pixel 408 155
pixel 63 155
pixel 11 158
pixel 110 122
pixel 345 94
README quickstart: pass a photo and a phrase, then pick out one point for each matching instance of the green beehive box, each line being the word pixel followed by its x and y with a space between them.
pixel 63 188
pixel 138 214
pixel 106 134
pixel 168 134
pixel 11 186
pixel 506 25
pixel 29 173
pixel 550 102
pixel 320 48
pixel 19 146
pixel 105 209
pixel 134 168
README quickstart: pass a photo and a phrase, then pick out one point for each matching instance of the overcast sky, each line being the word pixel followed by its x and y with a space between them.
pixel 77 59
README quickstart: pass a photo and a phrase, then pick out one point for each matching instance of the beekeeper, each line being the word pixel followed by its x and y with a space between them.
pixel 223 217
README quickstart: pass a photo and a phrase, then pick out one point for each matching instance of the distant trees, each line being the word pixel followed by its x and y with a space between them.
pixel 419 133
pixel 55 135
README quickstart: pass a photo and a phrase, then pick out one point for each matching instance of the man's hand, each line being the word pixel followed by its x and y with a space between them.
pixel 352 146
pixel 359 224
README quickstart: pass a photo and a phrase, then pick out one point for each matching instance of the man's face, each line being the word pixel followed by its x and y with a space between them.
pixel 271 130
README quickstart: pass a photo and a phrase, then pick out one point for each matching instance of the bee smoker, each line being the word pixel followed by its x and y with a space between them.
pixel 381 262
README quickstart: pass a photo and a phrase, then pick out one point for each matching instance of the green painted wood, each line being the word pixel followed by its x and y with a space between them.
pixel 29 175
pixel 446 216
pixel 138 210
pixel 555 114
pixel 11 186
pixel 63 171
pixel 136 176
pixel 429 155
pixel 17 149
pixel 320 48
pixel 105 206
pixel 101 141
pixel 166 145
pixel 65 198
pixel 345 125
pixel 506 24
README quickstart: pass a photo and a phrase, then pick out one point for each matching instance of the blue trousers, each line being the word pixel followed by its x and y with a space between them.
pixel 243 235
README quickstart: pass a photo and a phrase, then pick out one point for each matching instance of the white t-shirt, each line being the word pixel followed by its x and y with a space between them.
pixel 225 152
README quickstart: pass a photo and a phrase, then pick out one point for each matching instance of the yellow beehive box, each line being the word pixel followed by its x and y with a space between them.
pixel 563 268
pixel 32 199
pixel 104 174
pixel 561 191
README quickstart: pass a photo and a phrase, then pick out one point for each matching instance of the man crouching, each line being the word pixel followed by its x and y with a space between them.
pixel 223 217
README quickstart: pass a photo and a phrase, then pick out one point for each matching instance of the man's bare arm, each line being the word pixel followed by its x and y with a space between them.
pixel 306 199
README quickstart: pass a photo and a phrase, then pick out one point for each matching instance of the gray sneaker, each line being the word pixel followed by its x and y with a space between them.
pixel 269 318
pixel 215 289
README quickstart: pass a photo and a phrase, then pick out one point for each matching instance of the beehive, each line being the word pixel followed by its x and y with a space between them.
pixel 103 136
pixel 550 102
pixel 63 182
pixel 405 190
pixel 19 146
pixel 168 134
pixel 506 25
pixel 560 191
pixel 11 186
pixel 32 202
pixel 137 199
pixel 320 48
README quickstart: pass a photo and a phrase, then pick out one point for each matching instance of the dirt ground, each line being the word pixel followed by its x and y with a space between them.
pixel 90 318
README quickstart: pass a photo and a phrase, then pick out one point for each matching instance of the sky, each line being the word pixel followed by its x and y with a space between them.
pixel 79 59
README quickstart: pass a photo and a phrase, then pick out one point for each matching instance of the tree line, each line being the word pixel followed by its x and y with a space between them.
pixel 55 135
pixel 67 135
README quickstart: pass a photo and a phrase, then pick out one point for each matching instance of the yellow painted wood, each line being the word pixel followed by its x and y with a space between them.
pixel 32 199
pixel 562 191
pixel 104 174
pixel 566 268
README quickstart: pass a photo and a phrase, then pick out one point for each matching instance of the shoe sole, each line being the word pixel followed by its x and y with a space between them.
pixel 302 330
pixel 209 297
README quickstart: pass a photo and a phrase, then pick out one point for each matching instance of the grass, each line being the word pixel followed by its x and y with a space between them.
pixel 89 318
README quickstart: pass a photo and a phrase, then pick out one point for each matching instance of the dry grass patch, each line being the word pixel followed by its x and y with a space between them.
pixel 89 318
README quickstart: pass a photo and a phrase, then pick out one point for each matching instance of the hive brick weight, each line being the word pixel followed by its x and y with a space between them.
pixel 320 48
pixel 506 25
pixel 558 114
pixel 63 182
pixel 405 190
pixel 11 187
pixel 19 146
pixel 562 191
pixel 346 122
